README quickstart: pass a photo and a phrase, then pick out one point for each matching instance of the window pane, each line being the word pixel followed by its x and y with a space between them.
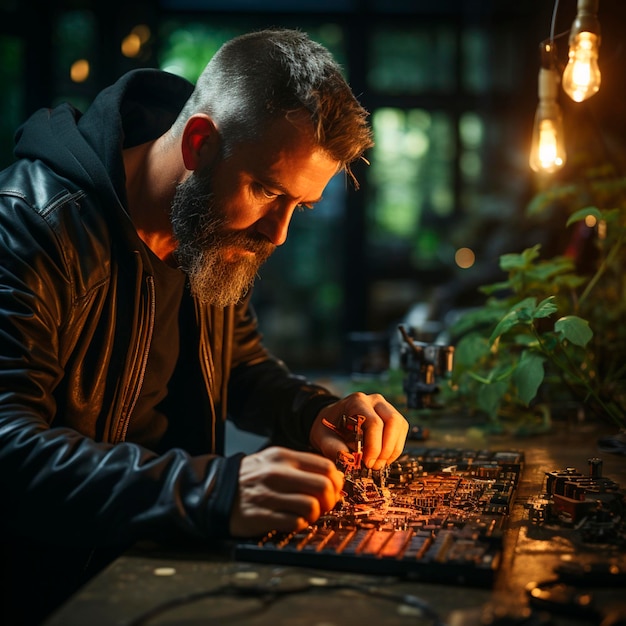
pixel 75 37
pixel 187 45
pixel 271 6
pixel 411 179
pixel 412 61
pixel 299 295
pixel 488 60
pixel 12 101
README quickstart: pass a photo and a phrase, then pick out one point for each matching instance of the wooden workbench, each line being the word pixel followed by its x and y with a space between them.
pixel 193 586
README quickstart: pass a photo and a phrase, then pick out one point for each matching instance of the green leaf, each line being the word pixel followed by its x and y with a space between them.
pixel 581 214
pixel 546 270
pixel 510 262
pixel 475 320
pixel 528 376
pixel 546 200
pixel 520 313
pixel 489 397
pixel 495 287
pixel 526 340
pixel 574 329
pixel 570 282
pixel 549 341
pixel 545 308
pixel 510 320
pixel 612 215
pixel 470 350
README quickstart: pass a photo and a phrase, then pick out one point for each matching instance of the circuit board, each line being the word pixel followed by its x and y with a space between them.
pixel 434 515
pixel 588 508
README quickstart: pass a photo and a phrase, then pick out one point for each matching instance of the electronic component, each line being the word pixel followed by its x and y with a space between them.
pixel 424 364
pixel 351 431
pixel 434 515
pixel 591 504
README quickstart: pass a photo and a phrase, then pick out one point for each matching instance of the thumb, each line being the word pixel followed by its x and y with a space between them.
pixel 335 449
pixel 327 442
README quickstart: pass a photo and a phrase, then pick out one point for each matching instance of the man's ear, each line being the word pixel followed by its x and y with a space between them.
pixel 200 141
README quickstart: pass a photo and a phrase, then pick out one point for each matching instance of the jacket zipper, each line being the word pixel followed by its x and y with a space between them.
pixel 137 371
pixel 206 364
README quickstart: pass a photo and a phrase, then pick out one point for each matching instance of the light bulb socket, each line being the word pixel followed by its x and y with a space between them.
pixel 548 54
pixel 586 20
pixel 548 84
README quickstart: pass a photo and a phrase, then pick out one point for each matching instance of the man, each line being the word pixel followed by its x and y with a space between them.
pixel 131 236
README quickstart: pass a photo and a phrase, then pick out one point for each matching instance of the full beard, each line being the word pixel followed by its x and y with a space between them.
pixel 204 251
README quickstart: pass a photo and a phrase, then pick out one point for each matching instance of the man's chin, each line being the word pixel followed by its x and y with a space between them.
pixel 232 254
pixel 225 283
pixel 221 297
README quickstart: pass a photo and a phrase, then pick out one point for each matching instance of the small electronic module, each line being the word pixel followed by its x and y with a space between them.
pixel 436 514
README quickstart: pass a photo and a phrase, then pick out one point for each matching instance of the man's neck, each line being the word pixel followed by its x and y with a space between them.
pixel 152 173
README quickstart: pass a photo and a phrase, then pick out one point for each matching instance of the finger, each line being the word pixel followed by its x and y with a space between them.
pixel 309 463
pixel 296 505
pixel 394 439
pixel 295 481
pixel 260 510
pixel 277 470
pixel 330 445
pixel 306 461
pixel 400 441
pixel 373 437
pixel 262 521
pixel 385 435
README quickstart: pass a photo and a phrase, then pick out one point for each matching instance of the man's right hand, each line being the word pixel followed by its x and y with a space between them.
pixel 284 490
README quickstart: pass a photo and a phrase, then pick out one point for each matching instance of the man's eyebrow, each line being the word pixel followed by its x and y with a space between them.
pixel 274 184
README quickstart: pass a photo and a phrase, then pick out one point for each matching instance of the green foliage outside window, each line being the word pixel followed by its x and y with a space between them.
pixel 411 177
pixel 11 103
pixel 188 46
pixel 552 332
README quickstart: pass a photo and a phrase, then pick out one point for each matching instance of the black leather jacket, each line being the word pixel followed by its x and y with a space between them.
pixel 76 315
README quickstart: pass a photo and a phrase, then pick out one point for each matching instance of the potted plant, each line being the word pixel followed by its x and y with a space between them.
pixel 553 333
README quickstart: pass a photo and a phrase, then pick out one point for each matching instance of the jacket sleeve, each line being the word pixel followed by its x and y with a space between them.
pixel 264 396
pixel 58 483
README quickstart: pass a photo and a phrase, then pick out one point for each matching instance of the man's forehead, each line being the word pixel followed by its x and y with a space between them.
pixel 282 148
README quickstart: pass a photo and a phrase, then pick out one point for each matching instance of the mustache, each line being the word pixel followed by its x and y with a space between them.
pixel 210 226
pixel 251 241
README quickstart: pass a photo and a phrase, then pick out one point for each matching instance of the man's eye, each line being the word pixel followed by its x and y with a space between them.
pixel 261 191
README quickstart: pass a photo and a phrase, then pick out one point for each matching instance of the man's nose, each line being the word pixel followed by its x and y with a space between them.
pixel 275 223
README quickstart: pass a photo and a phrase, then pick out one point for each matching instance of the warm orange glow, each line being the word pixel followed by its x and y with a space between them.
pixel 135 40
pixel 547 151
pixel 590 221
pixel 581 78
pixel 464 258
pixel 79 72
pixel 131 45
pixel 143 32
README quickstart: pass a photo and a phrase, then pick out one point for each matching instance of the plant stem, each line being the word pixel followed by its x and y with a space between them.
pixel 571 371
pixel 608 259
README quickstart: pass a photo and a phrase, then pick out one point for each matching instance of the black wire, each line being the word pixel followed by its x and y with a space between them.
pixel 269 596
pixel 552 24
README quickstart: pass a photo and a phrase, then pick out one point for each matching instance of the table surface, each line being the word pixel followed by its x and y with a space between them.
pixel 158 585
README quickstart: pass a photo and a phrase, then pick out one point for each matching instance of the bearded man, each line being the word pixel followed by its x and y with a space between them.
pixel 131 237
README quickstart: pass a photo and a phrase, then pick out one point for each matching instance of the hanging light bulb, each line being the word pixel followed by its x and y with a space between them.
pixel 547 153
pixel 581 78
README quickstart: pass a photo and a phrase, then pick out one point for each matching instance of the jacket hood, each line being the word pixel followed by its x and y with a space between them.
pixel 87 148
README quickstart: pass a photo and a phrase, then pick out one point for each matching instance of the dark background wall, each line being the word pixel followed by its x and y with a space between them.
pixel 354 270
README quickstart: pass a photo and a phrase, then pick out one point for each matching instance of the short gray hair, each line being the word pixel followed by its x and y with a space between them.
pixel 270 73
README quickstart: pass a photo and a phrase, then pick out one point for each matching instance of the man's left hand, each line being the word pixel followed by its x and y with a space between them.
pixel 384 428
